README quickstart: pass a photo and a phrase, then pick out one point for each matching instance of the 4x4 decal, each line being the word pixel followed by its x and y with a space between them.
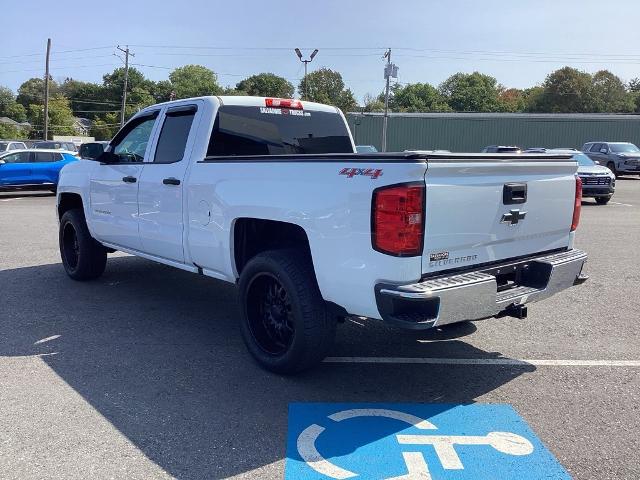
pixel 368 172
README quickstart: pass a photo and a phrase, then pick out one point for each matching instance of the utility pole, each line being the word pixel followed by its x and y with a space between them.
pixel 126 80
pixel 299 54
pixel 46 91
pixel 388 73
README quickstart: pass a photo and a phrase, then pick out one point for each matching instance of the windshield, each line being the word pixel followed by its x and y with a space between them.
pixel 583 160
pixel 241 130
pixel 623 147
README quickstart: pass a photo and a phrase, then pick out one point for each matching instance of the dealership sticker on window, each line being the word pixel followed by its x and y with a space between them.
pixel 284 111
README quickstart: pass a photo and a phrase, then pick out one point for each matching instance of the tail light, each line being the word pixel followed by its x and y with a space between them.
pixel 283 103
pixel 577 205
pixel 398 219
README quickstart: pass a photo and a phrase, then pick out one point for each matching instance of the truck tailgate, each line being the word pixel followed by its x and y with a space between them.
pixel 476 213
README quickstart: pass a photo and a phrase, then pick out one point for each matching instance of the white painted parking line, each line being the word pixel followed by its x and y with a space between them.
pixel 621 204
pixel 9 199
pixel 486 361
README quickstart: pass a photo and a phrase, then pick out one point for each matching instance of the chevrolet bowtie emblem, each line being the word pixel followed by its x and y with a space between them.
pixel 513 217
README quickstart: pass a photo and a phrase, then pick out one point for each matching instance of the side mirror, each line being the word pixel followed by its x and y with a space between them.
pixel 106 157
pixel 1 162
pixel 604 150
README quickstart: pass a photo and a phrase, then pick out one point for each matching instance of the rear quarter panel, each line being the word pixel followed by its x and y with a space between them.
pixel 333 209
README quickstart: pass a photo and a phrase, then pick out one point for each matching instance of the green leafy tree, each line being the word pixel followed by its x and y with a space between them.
pixel 32 91
pixel 372 104
pixel 610 94
pixel 566 90
pixel 9 107
pixel 161 91
pixel 89 100
pixel 61 118
pixel 471 92
pixel 106 127
pixel 326 86
pixel 266 85
pixel 12 132
pixel 416 97
pixel 194 81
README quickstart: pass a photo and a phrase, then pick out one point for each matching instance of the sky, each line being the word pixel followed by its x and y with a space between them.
pixel 517 41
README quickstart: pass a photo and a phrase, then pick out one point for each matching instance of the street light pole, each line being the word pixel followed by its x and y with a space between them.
pixel 46 92
pixel 299 54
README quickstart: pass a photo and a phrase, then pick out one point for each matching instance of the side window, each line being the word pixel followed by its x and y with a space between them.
pixel 20 157
pixel 596 147
pixel 174 134
pixel 131 142
pixel 41 157
pixel 14 146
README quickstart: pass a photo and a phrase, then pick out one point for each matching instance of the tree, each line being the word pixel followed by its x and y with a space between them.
pixel 512 100
pixel 266 85
pixel 326 86
pixel 416 97
pixel 9 107
pixel 194 81
pixel 61 118
pixel 566 90
pixel 88 99
pixel 610 94
pixel 12 132
pixel 372 104
pixel 32 92
pixel 105 128
pixel 471 92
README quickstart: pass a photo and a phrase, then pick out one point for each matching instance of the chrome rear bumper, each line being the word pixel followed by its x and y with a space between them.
pixel 483 293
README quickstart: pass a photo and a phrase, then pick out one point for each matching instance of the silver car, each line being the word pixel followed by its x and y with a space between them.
pixel 598 182
pixel 622 158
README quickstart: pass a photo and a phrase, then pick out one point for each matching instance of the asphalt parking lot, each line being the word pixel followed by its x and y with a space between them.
pixel 143 374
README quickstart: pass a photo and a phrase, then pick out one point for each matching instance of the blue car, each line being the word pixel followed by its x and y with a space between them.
pixel 37 167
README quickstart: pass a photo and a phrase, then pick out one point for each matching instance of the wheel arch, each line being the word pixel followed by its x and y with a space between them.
pixel 251 236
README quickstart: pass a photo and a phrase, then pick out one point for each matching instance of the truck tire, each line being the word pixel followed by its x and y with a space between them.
pixel 285 323
pixel 612 166
pixel 602 200
pixel 83 258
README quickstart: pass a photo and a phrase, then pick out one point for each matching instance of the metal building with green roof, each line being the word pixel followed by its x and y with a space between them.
pixel 470 132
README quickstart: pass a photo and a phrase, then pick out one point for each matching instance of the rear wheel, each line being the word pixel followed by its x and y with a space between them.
pixel 285 324
pixel 602 200
pixel 83 257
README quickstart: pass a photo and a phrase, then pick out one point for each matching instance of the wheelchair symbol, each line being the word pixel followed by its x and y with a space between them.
pixel 417 468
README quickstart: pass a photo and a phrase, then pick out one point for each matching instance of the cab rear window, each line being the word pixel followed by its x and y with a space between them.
pixel 246 131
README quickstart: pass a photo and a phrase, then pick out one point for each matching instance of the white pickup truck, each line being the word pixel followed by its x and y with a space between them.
pixel 269 194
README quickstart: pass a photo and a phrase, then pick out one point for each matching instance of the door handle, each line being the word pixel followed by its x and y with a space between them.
pixel 129 179
pixel 171 181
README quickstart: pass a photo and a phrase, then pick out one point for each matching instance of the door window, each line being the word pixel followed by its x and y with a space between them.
pixel 41 157
pixel 595 148
pixel 131 142
pixel 174 135
pixel 20 157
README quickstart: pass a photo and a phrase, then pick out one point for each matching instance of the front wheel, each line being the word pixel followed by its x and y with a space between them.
pixel 602 200
pixel 83 257
pixel 612 166
pixel 285 324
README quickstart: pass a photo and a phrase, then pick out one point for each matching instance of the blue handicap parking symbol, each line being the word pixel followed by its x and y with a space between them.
pixel 414 442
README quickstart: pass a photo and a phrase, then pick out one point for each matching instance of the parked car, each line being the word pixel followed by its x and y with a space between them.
pixel 598 182
pixel 92 150
pixel 55 145
pixel 622 158
pixel 501 149
pixel 269 194
pixel 33 168
pixel 8 145
pixel 366 149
